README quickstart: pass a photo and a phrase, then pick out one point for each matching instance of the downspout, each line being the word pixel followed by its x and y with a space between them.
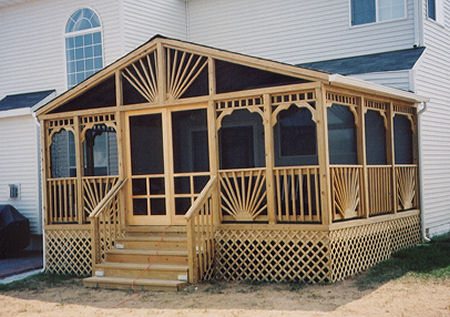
pixel 38 124
pixel 419 128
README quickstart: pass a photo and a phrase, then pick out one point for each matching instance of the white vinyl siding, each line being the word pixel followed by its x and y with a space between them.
pixel 20 165
pixel 433 81
pixel 143 19
pixel 395 79
pixel 32 36
pixel 294 31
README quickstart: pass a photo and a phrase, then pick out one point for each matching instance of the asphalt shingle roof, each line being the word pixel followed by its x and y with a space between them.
pixel 26 100
pixel 379 62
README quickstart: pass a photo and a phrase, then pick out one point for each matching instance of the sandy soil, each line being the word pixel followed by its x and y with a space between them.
pixel 404 297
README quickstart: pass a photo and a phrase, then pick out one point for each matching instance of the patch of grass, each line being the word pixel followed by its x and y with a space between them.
pixel 429 260
pixel 40 281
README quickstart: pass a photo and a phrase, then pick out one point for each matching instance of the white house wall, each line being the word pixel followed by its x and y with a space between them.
pixel 394 79
pixel 144 19
pixel 293 31
pixel 32 36
pixel 20 165
pixel 433 80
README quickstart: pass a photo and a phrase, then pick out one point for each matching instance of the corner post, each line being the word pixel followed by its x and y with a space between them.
pixel 44 172
pixel 269 148
pixel 120 139
pixel 324 159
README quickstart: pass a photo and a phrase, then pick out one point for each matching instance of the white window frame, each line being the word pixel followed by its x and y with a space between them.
pixel 440 15
pixel 377 21
pixel 72 34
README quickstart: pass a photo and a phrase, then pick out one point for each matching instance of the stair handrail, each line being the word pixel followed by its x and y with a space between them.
pixel 200 229
pixel 105 228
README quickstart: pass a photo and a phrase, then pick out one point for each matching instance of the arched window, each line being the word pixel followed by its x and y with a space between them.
pixel 241 140
pixel 62 154
pixel 100 151
pixel 84 54
pixel 295 138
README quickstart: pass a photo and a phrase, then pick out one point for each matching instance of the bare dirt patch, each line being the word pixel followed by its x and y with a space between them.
pixel 407 296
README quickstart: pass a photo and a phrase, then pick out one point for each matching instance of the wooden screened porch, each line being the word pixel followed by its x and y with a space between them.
pixel 266 170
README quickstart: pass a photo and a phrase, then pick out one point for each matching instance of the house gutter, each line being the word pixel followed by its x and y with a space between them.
pixel 419 143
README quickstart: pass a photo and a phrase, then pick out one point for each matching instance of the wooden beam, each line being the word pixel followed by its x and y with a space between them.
pixel 391 151
pixel 362 159
pixel 79 167
pixel 213 147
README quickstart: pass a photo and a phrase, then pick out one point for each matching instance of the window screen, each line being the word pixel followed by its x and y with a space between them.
pixel 375 138
pixel 62 154
pixel 100 151
pixel 341 135
pixel 403 144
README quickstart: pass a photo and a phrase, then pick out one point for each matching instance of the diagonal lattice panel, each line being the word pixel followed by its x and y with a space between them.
pixel 68 251
pixel 272 255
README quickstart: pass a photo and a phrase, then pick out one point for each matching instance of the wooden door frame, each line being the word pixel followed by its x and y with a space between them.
pixel 169 176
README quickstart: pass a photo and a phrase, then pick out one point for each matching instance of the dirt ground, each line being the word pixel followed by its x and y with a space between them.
pixel 407 296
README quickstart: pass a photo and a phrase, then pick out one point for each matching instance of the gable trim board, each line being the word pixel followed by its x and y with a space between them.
pixel 249 61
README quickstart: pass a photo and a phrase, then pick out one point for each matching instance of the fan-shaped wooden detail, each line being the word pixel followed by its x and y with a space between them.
pixel 182 69
pixel 142 75
pixel 243 193
pixel 345 191
pixel 406 187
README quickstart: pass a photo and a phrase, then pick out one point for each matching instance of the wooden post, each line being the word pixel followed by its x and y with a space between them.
pixel 119 116
pixel 44 171
pixel 362 160
pixel 391 157
pixel 324 158
pixel 79 166
pixel 161 74
pixel 270 162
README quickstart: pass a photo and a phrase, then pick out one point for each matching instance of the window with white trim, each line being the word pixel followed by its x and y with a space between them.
pixel 84 55
pixel 370 11
pixel 435 10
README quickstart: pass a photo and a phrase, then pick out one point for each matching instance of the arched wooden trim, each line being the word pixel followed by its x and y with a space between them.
pixel 286 106
pixel 57 130
pixel 382 114
pixel 229 111
pixel 351 108
pixel 91 125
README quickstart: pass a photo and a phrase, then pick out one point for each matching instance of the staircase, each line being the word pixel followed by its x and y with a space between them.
pixel 147 257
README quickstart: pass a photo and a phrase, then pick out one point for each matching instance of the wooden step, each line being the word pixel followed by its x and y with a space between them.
pixel 153 242
pixel 167 230
pixel 178 257
pixel 143 270
pixel 125 283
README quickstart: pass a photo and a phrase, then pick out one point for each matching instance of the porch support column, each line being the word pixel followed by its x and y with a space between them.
pixel 79 165
pixel 391 154
pixel 268 144
pixel 45 172
pixel 324 158
pixel 361 139
pixel 212 141
pixel 120 142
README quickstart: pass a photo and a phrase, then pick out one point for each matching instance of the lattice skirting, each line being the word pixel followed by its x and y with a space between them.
pixel 272 255
pixel 68 251
pixel 310 256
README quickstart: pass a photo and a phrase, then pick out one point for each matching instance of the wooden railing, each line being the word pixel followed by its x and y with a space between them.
pixel 346 191
pixel 243 194
pixel 407 186
pixel 297 194
pixel 105 223
pixel 95 189
pixel 379 179
pixel 62 200
pixel 200 229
